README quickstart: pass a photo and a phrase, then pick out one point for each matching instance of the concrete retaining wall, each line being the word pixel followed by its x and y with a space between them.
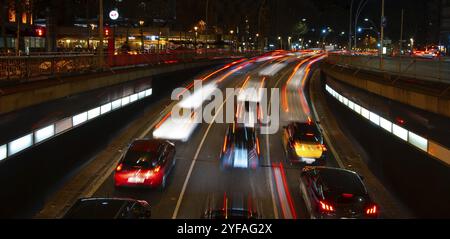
pixel 428 102
pixel 75 85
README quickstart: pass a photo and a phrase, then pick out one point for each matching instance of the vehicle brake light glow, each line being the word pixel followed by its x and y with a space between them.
pixel 326 207
pixel 157 169
pixel 372 210
pixel 225 145
pixel 257 146
pixel 347 195
pixel 119 168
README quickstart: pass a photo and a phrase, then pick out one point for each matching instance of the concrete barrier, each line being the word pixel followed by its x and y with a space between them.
pixel 45 92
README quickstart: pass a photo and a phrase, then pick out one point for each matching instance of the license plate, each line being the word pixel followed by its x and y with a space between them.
pixel 136 180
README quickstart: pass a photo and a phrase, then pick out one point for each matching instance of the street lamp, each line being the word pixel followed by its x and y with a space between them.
pixel 281 42
pixel 141 23
pixel 289 43
pixel 195 38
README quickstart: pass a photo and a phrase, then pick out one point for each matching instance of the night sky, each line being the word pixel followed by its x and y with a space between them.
pixel 282 15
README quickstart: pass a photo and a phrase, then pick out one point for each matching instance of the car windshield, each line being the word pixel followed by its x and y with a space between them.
pixel 338 182
pixel 97 209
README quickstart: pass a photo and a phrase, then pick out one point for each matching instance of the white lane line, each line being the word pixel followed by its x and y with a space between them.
pixel 325 133
pixel 270 174
pixel 191 168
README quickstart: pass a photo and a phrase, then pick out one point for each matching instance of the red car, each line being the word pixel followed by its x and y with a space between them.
pixel 147 163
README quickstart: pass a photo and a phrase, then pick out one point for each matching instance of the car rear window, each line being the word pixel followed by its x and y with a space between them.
pixel 306 132
pixel 96 209
pixel 142 154
pixel 338 182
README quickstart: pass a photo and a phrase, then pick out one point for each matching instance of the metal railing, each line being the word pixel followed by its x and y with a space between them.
pixel 28 68
pixel 435 69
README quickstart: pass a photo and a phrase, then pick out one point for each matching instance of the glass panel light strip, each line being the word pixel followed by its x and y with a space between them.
pixel 20 144
pixel 3 152
pixel 418 141
pixel 66 124
pixel 415 140
pixel 79 119
pixel 44 133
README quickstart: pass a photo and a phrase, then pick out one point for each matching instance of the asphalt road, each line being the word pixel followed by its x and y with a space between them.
pixel 198 176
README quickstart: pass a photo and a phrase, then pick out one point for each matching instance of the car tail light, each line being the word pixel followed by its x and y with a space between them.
pixel 324 148
pixel 225 144
pixel 326 207
pixel 373 210
pixel 157 169
pixel 347 195
pixel 119 168
pixel 257 146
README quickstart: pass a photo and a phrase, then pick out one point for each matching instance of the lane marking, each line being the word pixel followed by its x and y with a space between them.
pixel 191 168
pixel 270 174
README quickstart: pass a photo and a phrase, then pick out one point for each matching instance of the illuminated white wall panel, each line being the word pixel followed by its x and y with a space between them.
pixel 94 113
pixel 418 141
pixel 20 144
pixel 3 152
pixel 44 133
pixel 105 108
pixel 79 119
pixel 400 132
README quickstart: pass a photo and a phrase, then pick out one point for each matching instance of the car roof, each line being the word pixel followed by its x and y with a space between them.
pixel 339 180
pixel 98 208
pixel 146 145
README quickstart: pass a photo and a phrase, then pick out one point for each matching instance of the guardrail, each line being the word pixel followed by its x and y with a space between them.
pixel 26 68
pixel 436 69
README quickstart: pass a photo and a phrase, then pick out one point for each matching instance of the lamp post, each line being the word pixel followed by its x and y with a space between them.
pixel 195 38
pixel 281 42
pixel 141 23
pixel 289 43
pixel 100 32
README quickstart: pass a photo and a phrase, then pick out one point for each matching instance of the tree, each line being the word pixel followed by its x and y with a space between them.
pixel 300 29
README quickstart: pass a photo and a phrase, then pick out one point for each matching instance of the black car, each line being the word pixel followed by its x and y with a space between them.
pixel 332 193
pixel 303 143
pixel 240 148
pixel 236 206
pixel 109 208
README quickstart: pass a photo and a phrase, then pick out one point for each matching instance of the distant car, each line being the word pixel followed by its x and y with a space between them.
pixel 240 148
pixel 236 207
pixel 332 193
pixel 147 163
pixel 303 143
pixel 109 208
